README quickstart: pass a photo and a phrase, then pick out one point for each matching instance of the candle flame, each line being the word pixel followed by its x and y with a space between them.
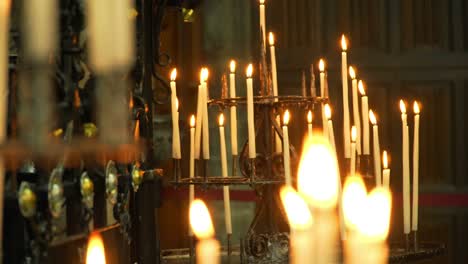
pixel 352 73
pixel 353 134
pixel 361 88
pixel 372 118
pixel 309 117
pixel 232 66
pixel 385 159
pixel 318 173
pixel 204 75
pixel 192 121
pixel 344 44
pixel 271 39
pixel 353 200
pixel 221 119
pixel 200 220
pixel 262 2
pixel 327 110
pixel 375 223
pixel 249 71
pixel 95 253
pixel 402 106
pixel 321 65
pixel 136 133
pixel 296 208
pixel 173 74
pixel 286 118
pixel 416 107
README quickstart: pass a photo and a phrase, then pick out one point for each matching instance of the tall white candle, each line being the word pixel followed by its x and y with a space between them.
pixel 176 153
pixel 322 91
pixel 309 124
pixel 353 151
pixel 232 88
pixel 376 144
pixel 356 115
pixel 415 219
pixel 250 113
pixel 274 78
pixel 262 22
pixel 208 248
pixel 198 125
pixel 344 77
pixel 365 117
pixel 386 171
pixel 406 176
pixel 206 124
pixel 331 133
pixel 286 158
pixel 224 171
pixel 192 162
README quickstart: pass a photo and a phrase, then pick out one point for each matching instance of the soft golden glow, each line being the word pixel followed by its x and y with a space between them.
pixel 200 220
pixel 192 121
pixel 416 107
pixel 232 66
pixel 385 159
pixel 249 71
pixel 5 6
pixel 296 208
pixel 353 200
pixel 353 134
pixel 95 253
pixel 372 118
pixel 318 173
pixel 402 106
pixel 361 88
pixel 309 117
pixel 262 2
pixel 327 110
pixel 375 220
pixel 352 73
pixel 221 119
pixel 344 43
pixel 271 39
pixel 173 74
pixel 204 75
pixel 286 117
pixel 321 65
pixel 177 104
pixel 136 133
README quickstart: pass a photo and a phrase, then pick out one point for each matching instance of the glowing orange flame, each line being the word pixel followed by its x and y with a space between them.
pixel 136 133
pixel 372 118
pixel 321 65
pixel 296 208
pixel 192 121
pixel 416 107
pixel 204 75
pixel 353 134
pixel 353 198
pixel 249 71
pixel 286 117
pixel 344 44
pixel 385 159
pixel 200 220
pixel 375 221
pixel 95 253
pixel 402 106
pixel 271 38
pixel 352 73
pixel 309 117
pixel 361 88
pixel 328 112
pixel 232 66
pixel 221 119
pixel 173 74
pixel 262 2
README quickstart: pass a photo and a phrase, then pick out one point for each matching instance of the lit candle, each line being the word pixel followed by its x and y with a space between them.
pixel 365 117
pixel 376 144
pixel 344 77
pixel 300 221
pixel 274 78
pixel 406 176
pixel 331 133
pixel 175 118
pixel 205 123
pixel 208 248
pixel 232 86
pixel 95 252
pixel 250 113
pixel 353 199
pixel 353 150
pixel 286 158
pixel 414 225
pixel 198 125
pixel 278 143
pixel 356 115
pixel 322 90
pixel 224 171
pixel 309 123
pixel 386 170
pixel 192 163
pixel 262 22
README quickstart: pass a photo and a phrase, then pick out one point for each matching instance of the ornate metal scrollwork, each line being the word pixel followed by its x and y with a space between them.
pixel 265 248
pixel 55 193
pixel 111 182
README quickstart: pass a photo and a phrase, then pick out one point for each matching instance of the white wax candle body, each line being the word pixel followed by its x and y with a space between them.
pixel 301 245
pixel 224 171
pixel 176 153
pixel 331 135
pixel 192 169
pixel 263 24
pixel 406 179
pixel 346 123
pixel 322 94
pixel 198 122
pixel 324 123
pixel 274 73
pixel 356 116
pixel 386 178
pixel 322 84
pixel 286 158
pixel 353 159
pixel 206 124
pixel 309 130
pixel 377 166
pixel 414 225
pixel 233 120
pixel 250 119
pixel 208 251
pixel 365 120
pixel 278 143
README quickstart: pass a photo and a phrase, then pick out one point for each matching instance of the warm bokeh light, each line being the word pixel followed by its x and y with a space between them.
pixel 232 66
pixel 296 208
pixel 204 75
pixel 271 38
pixel 318 173
pixel 353 134
pixel 177 104
pixel 262 2
pixel 344 43
pixel 95 254
pixel 362 91
pixel 372 118
pixel 352 73
pixel 353 200
pixel 385 159
pixel 375 221
pixel 192 121
pixel 136 132
pixel 402 106
pixel 286 117
pixel 328 112
pixel 200 220
pixel 309 117
pixel 416 107
pixel 173 74
pixel 221 119
pixel 249 71
pixel 321 65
